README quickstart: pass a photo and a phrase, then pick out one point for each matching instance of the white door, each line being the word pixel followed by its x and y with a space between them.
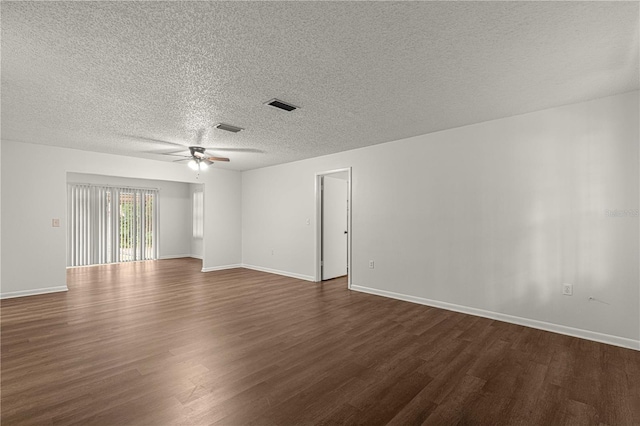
pixel 334 227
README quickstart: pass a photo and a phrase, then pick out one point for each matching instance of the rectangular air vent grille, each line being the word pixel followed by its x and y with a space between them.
pixel 228 127
pixel 282 105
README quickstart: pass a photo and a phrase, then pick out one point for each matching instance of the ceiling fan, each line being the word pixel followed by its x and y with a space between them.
pixel 197 156
pixel 199 159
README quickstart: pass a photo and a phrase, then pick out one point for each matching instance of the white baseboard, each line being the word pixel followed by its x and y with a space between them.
pixel 541 325
pixel 178 256
pixel 278 272
pixel 221 268
pixel 33 292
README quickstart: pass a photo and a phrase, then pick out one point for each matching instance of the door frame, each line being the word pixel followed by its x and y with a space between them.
pixel 318 221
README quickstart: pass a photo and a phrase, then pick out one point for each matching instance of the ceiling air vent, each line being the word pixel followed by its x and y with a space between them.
pixel 228 127
pixel 282 105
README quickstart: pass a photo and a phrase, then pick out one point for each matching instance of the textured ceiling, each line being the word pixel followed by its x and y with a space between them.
pixel 121 77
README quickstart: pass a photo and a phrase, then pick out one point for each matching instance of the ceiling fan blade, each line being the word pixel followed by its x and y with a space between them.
pixel 180 160
pixel 257 151
pixel 171 152
pixel 182 152
pixel 142 138
pixel 217 159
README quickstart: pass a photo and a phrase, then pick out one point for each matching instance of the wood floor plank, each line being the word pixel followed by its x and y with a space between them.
pixel 160 342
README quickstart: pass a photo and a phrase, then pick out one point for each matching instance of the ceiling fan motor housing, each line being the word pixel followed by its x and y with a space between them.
pixel 197 151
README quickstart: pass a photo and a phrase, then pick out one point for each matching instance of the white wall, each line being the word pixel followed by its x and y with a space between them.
pixel 33 253
pixel 0 218
pixel 490 218
pixel 222 220
pixel 195 244
pixel 174 205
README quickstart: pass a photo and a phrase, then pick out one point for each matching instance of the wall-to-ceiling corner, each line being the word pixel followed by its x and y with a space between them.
pixel 489 219
pixel 34 252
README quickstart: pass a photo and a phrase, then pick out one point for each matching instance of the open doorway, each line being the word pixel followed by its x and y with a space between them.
pixel 333 225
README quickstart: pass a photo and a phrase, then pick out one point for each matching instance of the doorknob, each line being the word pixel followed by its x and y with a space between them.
pixel 345 232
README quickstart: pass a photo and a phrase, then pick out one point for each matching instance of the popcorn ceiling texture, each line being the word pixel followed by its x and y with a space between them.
pixel 120 77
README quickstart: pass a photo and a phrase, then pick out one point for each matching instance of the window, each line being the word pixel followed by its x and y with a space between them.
pixel 111 224
pixel 198 214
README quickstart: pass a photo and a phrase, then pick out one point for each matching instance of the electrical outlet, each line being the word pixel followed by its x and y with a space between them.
pixel 371 264
pixel 272 251
pixel 55 223
pixel 567 289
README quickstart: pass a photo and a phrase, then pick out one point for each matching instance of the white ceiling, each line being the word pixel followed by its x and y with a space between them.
pixel 119 76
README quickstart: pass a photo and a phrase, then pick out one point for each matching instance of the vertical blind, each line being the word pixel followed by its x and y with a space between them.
pixel 111 224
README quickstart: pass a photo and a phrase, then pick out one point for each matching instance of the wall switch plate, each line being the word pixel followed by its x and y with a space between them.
pixel 567 289
pixel 308 221
pixel 55 223
pixel 371 264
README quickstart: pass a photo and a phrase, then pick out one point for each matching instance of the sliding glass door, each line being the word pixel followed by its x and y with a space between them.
pixel 136 226
pixel 111 224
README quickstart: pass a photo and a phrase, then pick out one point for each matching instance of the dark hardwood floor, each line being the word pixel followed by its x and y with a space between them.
pixel 160 343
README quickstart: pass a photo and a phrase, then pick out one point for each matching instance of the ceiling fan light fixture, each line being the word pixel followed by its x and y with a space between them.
pixel 203 165
pixel 193 165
